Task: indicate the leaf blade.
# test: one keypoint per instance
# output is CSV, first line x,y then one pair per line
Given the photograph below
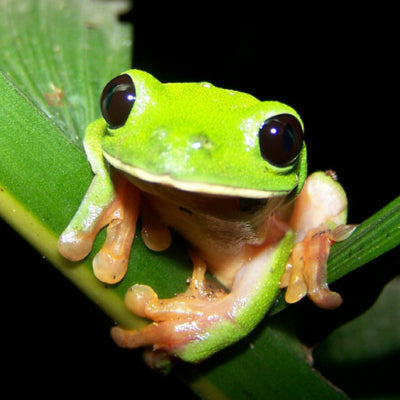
x,y
49,45
375,236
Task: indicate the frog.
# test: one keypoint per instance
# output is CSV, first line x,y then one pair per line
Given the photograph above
x,y
227,173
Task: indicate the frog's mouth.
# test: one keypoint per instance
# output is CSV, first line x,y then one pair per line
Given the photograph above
x,y
192,186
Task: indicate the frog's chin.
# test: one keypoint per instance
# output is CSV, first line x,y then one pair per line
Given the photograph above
x,y
192,186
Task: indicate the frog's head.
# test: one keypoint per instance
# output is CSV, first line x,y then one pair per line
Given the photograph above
x,y
203,139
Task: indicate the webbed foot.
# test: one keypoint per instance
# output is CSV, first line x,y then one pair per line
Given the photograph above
x,y
318,218
119,213
176,321
306,272
206,318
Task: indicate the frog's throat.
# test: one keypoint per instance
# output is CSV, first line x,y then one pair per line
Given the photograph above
x,y
188,186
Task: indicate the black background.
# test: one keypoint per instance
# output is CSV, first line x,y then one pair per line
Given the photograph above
x,y
334,64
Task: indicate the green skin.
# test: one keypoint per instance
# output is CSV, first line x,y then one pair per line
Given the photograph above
x,y
201,139
200,146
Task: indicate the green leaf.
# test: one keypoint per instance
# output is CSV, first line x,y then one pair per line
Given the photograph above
x,y
56,57
374,237
363,355
270,363
51,49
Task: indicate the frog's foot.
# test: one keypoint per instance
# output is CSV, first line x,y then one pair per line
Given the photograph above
x,y
318,218
205,319
306,271
121,214
176,321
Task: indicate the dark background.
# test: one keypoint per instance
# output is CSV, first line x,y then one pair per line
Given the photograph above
x,y
335,65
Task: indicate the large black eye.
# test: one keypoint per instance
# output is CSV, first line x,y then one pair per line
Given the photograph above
x,y
281,139
117,100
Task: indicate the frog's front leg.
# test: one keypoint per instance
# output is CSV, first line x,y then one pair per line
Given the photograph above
x,y
206,319
111,201
318,218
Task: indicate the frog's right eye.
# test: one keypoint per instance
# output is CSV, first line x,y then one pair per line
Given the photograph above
x,y
117,100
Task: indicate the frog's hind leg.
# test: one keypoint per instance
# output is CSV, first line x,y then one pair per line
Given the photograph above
x,y
176,320
205,319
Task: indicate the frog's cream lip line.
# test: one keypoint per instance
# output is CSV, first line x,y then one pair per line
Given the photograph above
x,y
197,187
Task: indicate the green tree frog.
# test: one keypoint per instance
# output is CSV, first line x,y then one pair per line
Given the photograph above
x,y
225,171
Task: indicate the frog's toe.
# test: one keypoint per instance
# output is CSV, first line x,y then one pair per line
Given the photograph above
x,y
167,335
293,277
143,301
155,234
126,338
325,298
140,297
295,291
109,268
317,245
74,245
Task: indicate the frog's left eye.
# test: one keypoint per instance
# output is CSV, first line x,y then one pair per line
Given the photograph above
x,y
281,139
117,100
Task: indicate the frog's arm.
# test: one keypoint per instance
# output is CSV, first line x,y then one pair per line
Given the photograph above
x,y
101,206
196,324
319,220
76,241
